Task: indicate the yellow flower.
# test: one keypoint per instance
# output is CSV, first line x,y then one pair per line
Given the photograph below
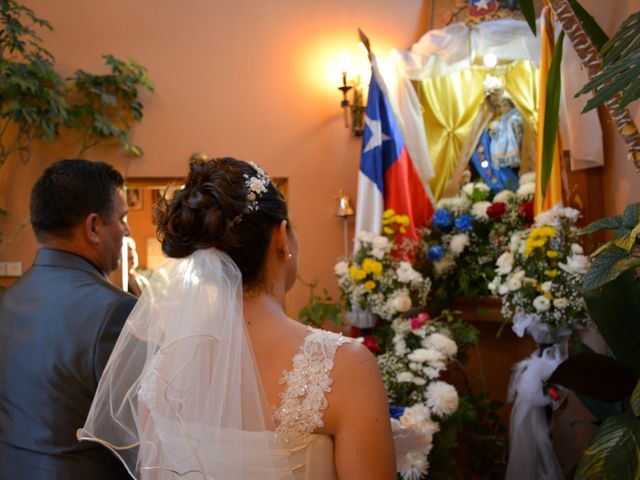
x,y
390,212
548,295
370,285
552,253
388,230
369,265
552,273
356,273
403,230
403,220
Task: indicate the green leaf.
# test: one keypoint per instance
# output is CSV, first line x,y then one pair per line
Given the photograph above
x,y
529,12
597,376
591,27
615,309
551,114
607,266
601,223
635,400
614,452
631,215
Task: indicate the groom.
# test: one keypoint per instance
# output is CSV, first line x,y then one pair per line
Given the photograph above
x,y
59,323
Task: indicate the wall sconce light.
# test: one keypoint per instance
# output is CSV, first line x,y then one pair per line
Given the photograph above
x,y
345,211
353,107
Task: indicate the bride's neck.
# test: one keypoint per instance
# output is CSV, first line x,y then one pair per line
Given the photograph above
x,y
263,307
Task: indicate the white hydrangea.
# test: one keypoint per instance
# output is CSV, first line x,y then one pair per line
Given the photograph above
x,y
442,398
341,268
442,343
504,196
504,263
575,264
526,190
365,237
547,217
458,243
407,274
422,355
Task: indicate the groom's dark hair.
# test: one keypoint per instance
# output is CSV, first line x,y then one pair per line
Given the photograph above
x,y
67,192
212,210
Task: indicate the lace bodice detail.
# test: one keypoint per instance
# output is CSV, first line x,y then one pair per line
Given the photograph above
x,y
303,399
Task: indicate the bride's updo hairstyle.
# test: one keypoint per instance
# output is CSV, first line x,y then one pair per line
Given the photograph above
x,y
217,208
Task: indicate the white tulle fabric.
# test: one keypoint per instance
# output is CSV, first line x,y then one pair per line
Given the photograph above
x,y
181,396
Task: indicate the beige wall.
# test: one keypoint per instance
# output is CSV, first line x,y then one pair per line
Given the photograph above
x,y
252,79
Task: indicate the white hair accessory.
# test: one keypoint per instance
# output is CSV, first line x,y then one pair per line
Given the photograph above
x,y
256,186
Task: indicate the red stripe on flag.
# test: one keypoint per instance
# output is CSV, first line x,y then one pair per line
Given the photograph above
x,y
403,192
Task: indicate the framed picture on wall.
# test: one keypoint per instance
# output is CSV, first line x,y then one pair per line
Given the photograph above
x,y
134,198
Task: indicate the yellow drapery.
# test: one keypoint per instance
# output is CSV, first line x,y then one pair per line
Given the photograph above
x,y
554,186
451,103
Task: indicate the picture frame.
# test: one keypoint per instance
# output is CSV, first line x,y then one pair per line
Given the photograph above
x,y
134,198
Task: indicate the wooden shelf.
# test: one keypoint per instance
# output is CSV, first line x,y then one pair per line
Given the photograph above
x,y
485,309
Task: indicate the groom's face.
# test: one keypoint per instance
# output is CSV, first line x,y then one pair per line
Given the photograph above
x,y
114,228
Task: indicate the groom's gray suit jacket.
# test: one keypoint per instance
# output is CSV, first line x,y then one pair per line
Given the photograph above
x,y
58,325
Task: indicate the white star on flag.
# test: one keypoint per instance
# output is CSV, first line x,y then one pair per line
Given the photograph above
x,y
482,5
377,137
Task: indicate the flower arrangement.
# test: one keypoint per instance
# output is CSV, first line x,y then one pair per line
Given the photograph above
x,y
538,277
468,233
411,368
378,278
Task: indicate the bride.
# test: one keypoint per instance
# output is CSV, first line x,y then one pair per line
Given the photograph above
x,y
210,379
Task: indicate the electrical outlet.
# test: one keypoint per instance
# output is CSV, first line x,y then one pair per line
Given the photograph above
x,y
13,269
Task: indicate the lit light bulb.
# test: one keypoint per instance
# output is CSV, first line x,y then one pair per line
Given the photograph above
x,y
490,60
344,62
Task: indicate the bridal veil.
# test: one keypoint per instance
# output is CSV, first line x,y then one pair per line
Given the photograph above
x,y
181,395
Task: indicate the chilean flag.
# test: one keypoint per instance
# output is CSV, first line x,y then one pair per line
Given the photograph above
x,y
388,177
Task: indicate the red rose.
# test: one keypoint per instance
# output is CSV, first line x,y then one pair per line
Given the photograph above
x,y
370,341
526,210
497,210
553,393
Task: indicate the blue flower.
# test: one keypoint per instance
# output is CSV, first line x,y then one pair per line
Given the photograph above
x,y
395,412
442,218
464,223
435,253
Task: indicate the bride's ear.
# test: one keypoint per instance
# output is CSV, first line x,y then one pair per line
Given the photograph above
x,y
282,240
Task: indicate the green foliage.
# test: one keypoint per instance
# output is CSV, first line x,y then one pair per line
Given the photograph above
x,y
615,309
529,12
104,106
319,309
618,256
18,40
621,73
592,29
551,114
614,453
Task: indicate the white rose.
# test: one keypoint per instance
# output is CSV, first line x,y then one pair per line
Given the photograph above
x,y
519,275
400,303
483,187
504,196
422,355
541,303
467,188
419,381
576,248
570,213
514,284
404,377
442,343
479,210
407,274
575,264
504,263
529,177
526,190
341,268
365,237
547,286
561,303
380,243
546,218
458,243
503,289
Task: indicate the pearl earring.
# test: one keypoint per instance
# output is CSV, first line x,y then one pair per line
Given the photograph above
x,y
289,256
